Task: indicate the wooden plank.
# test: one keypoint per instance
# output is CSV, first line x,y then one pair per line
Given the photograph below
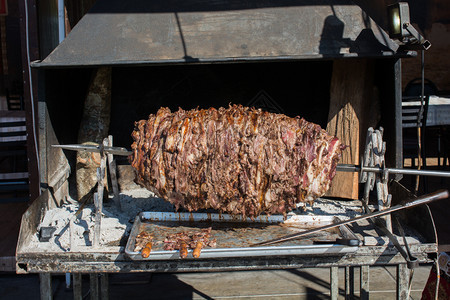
x,y
351,87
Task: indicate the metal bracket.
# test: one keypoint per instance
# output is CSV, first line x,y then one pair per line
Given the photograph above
x,y
411,261
374,157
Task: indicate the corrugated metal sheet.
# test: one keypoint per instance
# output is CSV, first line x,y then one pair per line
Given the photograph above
x,y
196,31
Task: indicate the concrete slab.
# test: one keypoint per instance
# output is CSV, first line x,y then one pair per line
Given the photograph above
x,y
248,285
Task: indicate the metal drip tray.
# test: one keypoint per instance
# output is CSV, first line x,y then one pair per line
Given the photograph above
x,y
234,235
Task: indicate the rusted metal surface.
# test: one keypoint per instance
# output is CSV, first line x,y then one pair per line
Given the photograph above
x,y
119,262
101,260
233,237
195,31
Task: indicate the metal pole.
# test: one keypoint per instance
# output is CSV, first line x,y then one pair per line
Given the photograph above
x,y
355,168
442,194
46,286
419,120
93,280
402,281
334,286
364,294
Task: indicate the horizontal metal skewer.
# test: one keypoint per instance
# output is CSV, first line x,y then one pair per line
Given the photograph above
x,y
93,148
355,168
340,167
438,195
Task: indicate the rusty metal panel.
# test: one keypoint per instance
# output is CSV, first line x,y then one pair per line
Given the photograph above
x,y
196,31
111,263
234,235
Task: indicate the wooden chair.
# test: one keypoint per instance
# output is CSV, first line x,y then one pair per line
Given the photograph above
x,y
15,102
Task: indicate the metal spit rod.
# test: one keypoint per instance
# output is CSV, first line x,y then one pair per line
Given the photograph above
x,y
93,148
355,168
425,199
340,167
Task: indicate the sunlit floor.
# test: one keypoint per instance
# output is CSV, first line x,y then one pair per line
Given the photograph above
x,y
276,284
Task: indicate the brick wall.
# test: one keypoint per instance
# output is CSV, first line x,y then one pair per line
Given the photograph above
x,y
435,26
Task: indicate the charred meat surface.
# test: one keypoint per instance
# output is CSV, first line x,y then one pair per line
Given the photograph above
x,y
237,160
142,239
190,239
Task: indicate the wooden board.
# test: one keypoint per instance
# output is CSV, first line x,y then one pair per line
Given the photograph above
x,y
351,89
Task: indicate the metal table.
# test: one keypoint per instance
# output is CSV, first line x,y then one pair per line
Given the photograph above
x,y
101,261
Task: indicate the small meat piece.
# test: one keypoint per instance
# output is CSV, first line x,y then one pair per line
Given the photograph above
x,y
141,240
191,239
238,160
146,251
183,250
197,250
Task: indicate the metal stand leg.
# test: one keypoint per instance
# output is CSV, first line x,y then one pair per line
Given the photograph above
x,y
349,283
364,282
402,281
77,287
93,282
68,281
99,286
334,279
46,286
104,286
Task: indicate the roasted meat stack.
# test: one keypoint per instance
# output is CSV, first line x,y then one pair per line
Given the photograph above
x,y
237,160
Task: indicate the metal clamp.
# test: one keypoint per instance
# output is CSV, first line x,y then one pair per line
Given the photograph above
x,y
374,157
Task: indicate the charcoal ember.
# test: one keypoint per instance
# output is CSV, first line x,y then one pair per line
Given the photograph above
x,y
237,160
191,238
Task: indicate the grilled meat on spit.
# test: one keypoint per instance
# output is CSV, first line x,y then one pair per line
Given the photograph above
x,y
238,160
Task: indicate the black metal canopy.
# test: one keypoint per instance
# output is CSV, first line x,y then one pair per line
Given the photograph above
x,y
139,32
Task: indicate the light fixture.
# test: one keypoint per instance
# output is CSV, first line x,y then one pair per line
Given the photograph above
x,y
401,29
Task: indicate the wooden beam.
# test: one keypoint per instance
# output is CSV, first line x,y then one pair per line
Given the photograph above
x,y
350,91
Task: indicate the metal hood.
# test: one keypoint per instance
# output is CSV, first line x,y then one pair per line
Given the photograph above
x,y
143,32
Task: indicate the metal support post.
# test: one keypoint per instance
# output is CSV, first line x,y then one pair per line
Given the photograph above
x,y
46,286
112,173
104,286
77,286
402,281
349,283
93,284
364,294
334,283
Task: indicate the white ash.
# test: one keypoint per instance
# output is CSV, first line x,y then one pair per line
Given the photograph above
x,y
342,209
116,224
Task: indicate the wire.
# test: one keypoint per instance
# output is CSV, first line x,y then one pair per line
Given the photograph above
x,y
33,124
438,279
420,120
436,262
